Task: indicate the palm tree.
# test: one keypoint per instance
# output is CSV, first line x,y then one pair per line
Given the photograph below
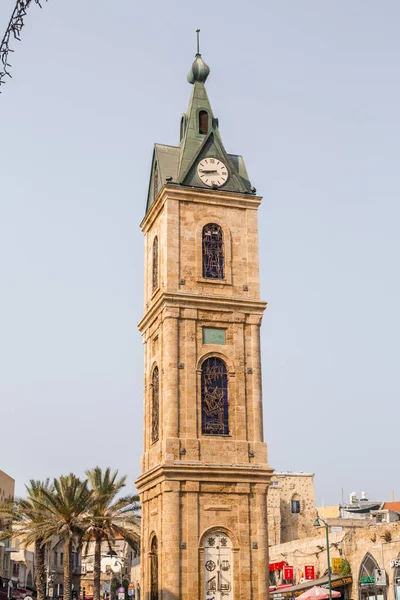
x,y
109,516
24,520
62,511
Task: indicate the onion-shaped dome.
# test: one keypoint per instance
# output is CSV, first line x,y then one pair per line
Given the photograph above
x,y
199,71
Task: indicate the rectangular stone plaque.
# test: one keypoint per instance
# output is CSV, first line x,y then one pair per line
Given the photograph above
x,y
213,335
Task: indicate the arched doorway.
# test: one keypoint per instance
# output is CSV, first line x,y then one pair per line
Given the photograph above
x,y
154,569
368,586
218,576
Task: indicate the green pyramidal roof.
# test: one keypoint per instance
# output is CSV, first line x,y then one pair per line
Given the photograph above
x,y
177,164
192,140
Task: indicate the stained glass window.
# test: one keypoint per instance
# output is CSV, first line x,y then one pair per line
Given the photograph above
x,y
155,263
214,397
154,569
213,252
155,405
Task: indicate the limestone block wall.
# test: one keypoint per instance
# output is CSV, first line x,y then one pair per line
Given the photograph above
x,y
183,513
283,524
177,219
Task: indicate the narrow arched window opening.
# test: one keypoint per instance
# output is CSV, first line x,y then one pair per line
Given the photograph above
x,y
295,505
213,251
182,132
154,569
203,122
214,397
155,181
155,263
155,406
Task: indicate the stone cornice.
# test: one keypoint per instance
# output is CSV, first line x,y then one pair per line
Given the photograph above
x,y
187,300
172,191
259,474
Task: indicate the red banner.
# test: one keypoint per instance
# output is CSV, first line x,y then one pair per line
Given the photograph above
x,y
309,572
288,573
277,566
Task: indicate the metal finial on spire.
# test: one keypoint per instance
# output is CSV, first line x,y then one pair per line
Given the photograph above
x,y
198,40
199,71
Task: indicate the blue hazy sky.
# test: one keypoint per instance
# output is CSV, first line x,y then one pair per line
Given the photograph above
x,y
309,93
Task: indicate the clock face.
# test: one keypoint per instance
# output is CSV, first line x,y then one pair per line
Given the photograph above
x,y
212,172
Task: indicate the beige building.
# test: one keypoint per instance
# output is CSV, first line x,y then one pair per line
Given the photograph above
x,y
366,555
116,567
55,568
7,486
291,507
204,471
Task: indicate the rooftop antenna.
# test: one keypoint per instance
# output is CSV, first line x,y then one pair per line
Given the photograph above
x,y
198,40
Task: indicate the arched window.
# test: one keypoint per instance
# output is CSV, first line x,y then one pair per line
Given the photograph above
x,y
213,252
155,406
367,569
203,122
214,397
295,504
183,123
371,586
155,181
155,263
154,569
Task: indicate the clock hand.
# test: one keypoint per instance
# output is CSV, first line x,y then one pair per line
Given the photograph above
x,y
206,171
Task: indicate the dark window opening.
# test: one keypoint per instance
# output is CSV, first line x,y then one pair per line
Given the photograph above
x,y
182,133
154,569
295,507
203,122
155,181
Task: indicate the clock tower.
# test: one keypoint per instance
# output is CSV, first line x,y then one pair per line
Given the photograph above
x,y
204,471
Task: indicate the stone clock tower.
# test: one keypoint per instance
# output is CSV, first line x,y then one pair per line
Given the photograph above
x,y
204,470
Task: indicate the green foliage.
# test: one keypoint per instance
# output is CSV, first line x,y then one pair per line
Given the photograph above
x,y
346,569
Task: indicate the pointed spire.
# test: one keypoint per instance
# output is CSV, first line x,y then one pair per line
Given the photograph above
x,y
199,70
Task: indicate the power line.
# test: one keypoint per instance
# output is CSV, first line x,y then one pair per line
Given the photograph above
x,y
13,31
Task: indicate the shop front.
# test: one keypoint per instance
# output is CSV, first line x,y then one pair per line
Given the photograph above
x,y
372,580
395,564
338,582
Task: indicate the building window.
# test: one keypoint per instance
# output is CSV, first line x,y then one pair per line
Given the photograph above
x,y
155,263
214,397
370,586
183,123
203,122
55,559
155,406
61,559
213,252
155,181
154,569
295,507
